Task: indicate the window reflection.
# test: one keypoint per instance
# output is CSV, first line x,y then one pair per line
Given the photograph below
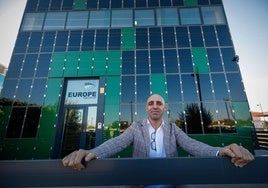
x,y
77,20
15,122
174,88
213,15
48,41
99,18
55,20
143,88
189,88
190,16
144,18
214,60
127,89
220,87
32,21
167,16
237,90
122,18
15,66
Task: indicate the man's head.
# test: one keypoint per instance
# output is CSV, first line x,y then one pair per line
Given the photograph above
x,y
155,107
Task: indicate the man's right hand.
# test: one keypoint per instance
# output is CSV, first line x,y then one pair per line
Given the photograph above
x,y
74,159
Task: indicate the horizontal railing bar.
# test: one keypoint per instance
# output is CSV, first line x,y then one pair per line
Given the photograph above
x,y
129,171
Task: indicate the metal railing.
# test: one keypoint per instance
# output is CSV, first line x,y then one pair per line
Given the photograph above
x,y
126,171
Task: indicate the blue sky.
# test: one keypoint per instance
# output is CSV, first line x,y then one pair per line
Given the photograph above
x,y
248,21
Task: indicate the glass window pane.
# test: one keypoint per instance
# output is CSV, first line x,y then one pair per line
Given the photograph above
x,y
104,3
21,43
141,3
237,89
101,39
141,38
115,39
32,21
38,92
128,38
171,61
77,19
155,38
99,18
128,62
122,18
88,40
227,56
159,85
31,122
167,16
23,92
214,60
128,4
143,88
55,4
174,88
153,3
128,89
15,123
213,15
92,3
48,41
190,16
142,62
196,36
74,40
29,65
9,88
185,57
43,65
157,65
15,66
61,41
43,5
116,4
219,85
182,37
204,87
189,88
144,18
67,4
168,37
210,36
224,35
200,60
35,42
55,20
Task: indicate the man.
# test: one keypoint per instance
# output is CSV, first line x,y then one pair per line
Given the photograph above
x,y
153,137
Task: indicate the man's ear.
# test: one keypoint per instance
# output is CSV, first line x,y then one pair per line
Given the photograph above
x,y
166,106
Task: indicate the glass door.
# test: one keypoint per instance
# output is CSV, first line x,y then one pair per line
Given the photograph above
x,y
73,126
80,128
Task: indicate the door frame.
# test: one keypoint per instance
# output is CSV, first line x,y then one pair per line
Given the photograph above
x,y
59,132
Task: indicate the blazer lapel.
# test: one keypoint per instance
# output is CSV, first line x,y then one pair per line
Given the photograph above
x,y
146,137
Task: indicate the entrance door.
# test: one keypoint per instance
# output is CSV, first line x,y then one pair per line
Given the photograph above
x,y
80,128
80,119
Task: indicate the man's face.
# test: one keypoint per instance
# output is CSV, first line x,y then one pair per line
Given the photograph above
x,y
155,107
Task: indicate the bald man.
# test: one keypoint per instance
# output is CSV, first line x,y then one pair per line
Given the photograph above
x,y
154,137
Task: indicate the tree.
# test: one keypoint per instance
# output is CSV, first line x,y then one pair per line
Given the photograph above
x,y
193,118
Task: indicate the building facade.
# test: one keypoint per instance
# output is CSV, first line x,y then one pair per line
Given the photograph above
x,y
81,71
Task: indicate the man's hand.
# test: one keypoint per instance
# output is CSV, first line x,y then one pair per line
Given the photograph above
x,y
238,154
75,158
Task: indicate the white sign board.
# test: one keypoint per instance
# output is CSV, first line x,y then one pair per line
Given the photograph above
x,y
82,92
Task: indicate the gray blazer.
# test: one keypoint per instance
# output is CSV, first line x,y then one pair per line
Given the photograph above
x,y
138,136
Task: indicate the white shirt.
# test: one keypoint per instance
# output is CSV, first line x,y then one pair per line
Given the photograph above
x,y
159,141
